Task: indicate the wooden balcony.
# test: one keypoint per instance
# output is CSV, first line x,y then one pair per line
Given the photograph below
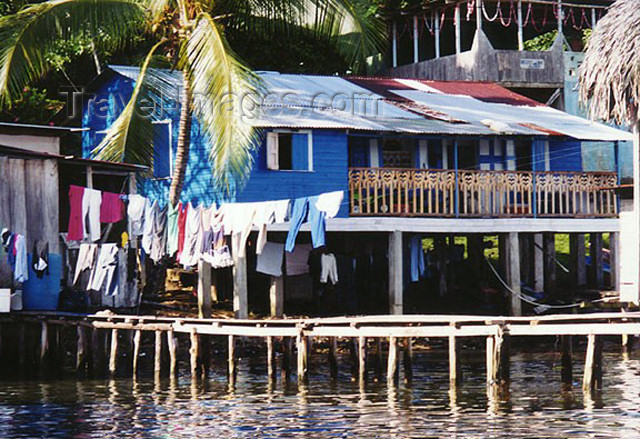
x,y
463,193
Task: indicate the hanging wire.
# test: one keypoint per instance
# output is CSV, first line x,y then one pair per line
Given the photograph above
x,y
531,300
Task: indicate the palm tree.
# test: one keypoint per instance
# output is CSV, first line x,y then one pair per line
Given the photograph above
x,y
190,33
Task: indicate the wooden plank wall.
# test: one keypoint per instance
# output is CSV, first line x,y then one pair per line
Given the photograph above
x,y
28,204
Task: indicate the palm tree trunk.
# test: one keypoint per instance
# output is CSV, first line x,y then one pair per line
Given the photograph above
x,y
184,140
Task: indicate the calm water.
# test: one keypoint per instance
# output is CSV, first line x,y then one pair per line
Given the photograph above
x,y
178,408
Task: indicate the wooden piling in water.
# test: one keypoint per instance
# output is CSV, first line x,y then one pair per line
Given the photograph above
x,y
501,359
113,355
301,347
96,352
454,367
193,353
392,363
333,357
81,350
157,357
286,359
271,360
232,359
566,361
408,360
592,379
137,336
172,344
490,343
362,359
44,342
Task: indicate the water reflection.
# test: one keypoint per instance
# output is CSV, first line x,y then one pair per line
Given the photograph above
x,y
255,406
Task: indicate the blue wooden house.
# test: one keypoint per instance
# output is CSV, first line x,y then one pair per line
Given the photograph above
x,y
415,158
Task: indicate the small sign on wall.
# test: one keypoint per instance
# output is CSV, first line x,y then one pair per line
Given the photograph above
x,y
532,64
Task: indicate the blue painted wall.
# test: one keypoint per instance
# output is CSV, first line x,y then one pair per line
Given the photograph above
x,y
330,157
596,156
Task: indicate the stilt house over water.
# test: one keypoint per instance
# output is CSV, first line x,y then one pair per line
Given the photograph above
x,y
429,171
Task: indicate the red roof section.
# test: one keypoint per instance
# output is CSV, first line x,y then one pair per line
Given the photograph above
x,y
482,91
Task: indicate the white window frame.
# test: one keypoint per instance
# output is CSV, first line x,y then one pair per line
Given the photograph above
x,y
277,132
170,123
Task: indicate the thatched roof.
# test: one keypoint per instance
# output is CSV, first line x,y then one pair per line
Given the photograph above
x,y
610,73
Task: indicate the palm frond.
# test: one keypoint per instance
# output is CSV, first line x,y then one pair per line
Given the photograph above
x,y
219,83
130,137
30,34
353,27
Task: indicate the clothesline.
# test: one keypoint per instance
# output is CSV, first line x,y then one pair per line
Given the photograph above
x,y
193,233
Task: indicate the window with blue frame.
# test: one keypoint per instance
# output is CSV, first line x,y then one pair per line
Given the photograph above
x,y
162,149
289,151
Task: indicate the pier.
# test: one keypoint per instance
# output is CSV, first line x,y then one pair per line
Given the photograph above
x,y
112,343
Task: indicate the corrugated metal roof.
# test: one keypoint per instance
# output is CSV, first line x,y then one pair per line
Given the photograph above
x,y
402,106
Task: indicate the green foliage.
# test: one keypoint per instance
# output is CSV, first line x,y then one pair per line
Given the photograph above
x,y
33,107
586,34
541,42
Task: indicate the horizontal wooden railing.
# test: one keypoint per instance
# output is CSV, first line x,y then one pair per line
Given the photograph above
x,y
465,193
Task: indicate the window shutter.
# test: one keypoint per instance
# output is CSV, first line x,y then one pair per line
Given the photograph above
x,y
272,151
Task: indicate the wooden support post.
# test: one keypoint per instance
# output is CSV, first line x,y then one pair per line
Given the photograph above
x,y
513,273
362,360
408,360
550,270
454,367
81,351
271,360
595,251
392,364
578,259
394,44
240,293
172,344
490,352
157,363
442,255
520,32
395,273
416,38
113,354
276,296
538,262
566,372
501,360
614,260
592,379
436,23
44,342
476,255
137,335
232,359
286,359
204,290
194,353
301,345
593,18
456,19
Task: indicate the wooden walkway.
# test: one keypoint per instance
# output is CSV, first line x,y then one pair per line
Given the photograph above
x,y
395,331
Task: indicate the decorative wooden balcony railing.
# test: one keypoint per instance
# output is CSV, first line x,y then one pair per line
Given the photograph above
x,y
463,193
